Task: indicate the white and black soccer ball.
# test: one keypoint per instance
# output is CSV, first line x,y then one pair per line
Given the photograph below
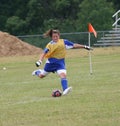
x,y
56,93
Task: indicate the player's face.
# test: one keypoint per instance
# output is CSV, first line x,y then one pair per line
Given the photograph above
x,y
55,37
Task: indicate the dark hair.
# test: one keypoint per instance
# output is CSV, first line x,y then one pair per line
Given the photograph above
x,y
50,32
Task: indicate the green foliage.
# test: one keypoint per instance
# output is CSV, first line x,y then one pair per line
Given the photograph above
x,y
97,12
3,19
63,25
116,4
37,16
62,4
51,23
15,25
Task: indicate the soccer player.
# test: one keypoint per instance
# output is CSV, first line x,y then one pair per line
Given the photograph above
x,y
55,52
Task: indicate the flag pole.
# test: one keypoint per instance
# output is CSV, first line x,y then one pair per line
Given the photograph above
x,y
90,58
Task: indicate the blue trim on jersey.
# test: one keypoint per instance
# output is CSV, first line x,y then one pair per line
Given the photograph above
x,y
68,43
46,50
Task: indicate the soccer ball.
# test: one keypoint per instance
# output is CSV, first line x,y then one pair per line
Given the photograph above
x,y
56,93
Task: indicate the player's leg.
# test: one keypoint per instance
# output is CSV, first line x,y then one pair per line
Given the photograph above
x,y
49,67
40,73
64,81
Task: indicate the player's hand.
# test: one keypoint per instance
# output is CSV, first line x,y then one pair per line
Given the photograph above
x,y
88,48
38,63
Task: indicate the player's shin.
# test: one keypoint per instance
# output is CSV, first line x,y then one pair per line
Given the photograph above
x,y
64,83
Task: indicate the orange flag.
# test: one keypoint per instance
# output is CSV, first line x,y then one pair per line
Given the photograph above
x,y
91,29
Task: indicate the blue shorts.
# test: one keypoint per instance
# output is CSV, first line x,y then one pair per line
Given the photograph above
x,y
55,66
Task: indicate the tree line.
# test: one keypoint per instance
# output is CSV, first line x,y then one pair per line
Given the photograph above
x,y
20,17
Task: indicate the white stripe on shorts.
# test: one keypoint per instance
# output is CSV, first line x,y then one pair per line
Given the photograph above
x,y
61,71
43,72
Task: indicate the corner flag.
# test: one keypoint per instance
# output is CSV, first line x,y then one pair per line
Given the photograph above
x,y
91,29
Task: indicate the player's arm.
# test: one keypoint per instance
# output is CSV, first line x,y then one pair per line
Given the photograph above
x,y
42,56
78,46
81,46
70,45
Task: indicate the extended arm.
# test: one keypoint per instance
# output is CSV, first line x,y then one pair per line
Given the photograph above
x,y
71,45
75,46
78,46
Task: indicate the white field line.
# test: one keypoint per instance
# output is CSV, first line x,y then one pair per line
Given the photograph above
x,y
34,100
15,82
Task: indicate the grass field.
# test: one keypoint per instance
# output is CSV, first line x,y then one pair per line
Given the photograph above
x,y
94,101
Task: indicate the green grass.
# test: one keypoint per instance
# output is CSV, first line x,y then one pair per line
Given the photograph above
x,y
94,101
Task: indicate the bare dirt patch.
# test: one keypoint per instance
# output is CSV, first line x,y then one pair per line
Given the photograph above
x,y
12,46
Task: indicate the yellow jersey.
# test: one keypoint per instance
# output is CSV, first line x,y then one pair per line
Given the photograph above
x,y
56,49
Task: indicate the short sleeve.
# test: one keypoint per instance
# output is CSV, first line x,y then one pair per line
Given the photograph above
x,y
68,44
46,50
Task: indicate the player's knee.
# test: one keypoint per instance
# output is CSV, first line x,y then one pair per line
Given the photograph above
x,y
62,75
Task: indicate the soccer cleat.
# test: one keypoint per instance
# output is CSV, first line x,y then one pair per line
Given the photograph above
x,y
36,72
67,90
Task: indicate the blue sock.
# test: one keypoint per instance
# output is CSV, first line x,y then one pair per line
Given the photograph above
x,y
64,83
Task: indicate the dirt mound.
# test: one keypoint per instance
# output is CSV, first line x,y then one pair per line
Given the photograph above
x,y
12,46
